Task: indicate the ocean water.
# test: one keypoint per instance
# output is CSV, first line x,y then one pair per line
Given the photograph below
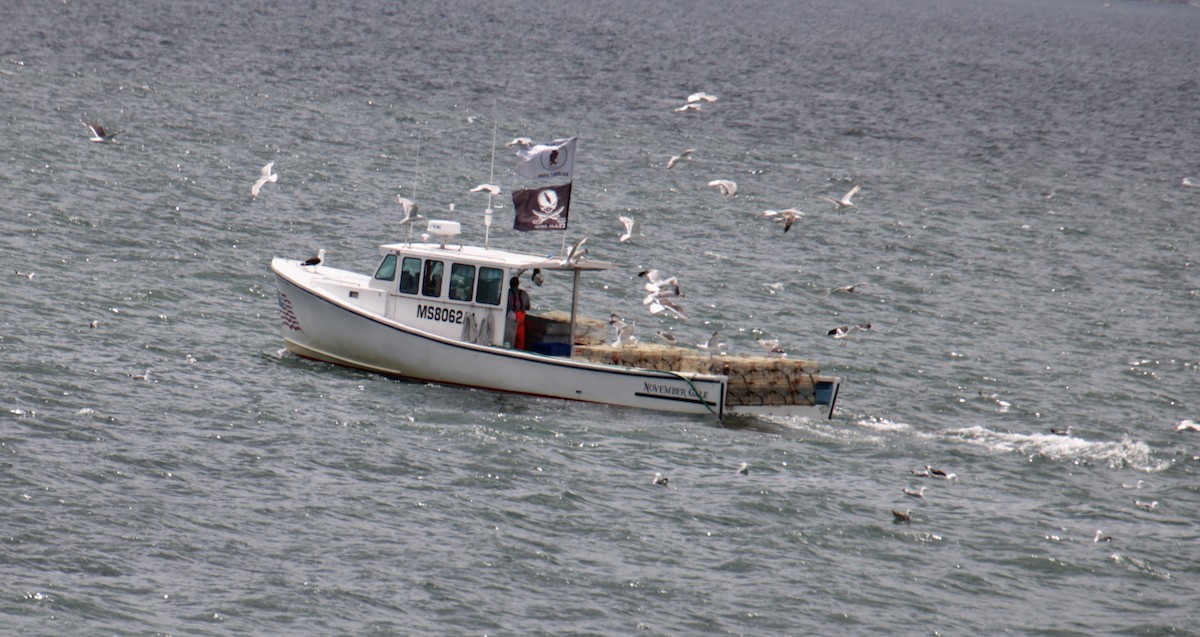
x,y
1025,234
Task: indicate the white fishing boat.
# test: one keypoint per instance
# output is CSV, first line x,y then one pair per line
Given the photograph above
x,y
435,311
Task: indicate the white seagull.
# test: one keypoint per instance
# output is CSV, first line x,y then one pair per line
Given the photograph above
x,y
660,479
743,469
99,135
27,275
688,108
142,377
520,141
491,189
938,473
701,97
410,210
1149,506
317,260
727,186
633,228
1182,425
771,346
1100,537
267,175
712,344
788,216
918,493
576,253
844,202
675,159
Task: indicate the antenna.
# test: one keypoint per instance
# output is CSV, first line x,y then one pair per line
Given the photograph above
x,y
487,213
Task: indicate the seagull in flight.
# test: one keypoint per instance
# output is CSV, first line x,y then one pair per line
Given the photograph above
x,y
633,228
490,189
844,202
846,289
675,159
410,210
712,344
842,331
788,216
575,253
520,141
317,260
727,186
701,97
99,135
624,331
771,346
267,175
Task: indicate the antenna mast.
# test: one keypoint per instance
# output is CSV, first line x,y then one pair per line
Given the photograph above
x,y
487,214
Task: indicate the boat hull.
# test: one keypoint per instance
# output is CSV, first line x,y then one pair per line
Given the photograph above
x,y
319,325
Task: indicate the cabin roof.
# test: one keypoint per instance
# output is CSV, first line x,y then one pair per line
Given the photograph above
x,y
492,256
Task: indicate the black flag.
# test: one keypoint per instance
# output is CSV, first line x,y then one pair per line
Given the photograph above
x,y
542,208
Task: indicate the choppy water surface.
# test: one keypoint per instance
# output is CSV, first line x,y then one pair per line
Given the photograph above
x,y
1025,234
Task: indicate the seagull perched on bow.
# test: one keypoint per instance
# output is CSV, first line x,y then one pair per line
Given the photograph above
x,y
633,228
675,159
99,135
844,202
727,186
788,216
491,189
624,330
267,175
701,97
317,260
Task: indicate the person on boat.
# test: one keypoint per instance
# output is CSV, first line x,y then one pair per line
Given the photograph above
x,y
518,304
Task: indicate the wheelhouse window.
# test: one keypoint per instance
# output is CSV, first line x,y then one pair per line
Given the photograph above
x,y
462,281
431,284
387,269
410,275
491,281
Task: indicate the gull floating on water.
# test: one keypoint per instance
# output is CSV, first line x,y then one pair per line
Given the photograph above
x,y
788,216
675,159
1100,537
1191,182
267,175
701,96
94,324
1149,506
27,275
743,469
491,189
99,135
633,228
727,186
918,493
1061,432
920,473
317,259
688,108
660,479
844,202
142,377
902,516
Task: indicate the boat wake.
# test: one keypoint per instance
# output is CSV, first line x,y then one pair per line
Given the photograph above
x,y
1118,454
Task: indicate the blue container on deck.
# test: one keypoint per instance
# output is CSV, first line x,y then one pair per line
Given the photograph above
x,y
551,349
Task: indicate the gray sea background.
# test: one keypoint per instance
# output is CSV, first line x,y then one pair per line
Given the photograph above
x,y
1026,233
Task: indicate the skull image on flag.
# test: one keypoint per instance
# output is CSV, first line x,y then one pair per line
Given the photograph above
x,y
553,160
542,208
